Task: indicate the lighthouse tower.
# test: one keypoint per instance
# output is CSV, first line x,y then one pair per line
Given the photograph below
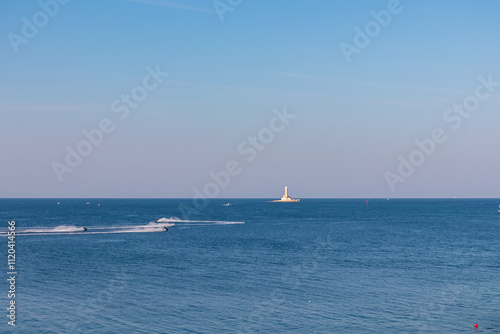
x,y
286,198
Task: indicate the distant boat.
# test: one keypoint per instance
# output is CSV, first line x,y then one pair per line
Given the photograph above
x,y
227,204
499,208
58,203
286,198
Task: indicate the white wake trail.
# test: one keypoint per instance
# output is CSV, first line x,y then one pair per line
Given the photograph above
x,y
158,226
205,222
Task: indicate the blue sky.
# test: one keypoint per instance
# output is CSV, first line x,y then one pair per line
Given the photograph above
x,y
353,120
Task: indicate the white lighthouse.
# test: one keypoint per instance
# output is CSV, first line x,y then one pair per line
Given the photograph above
x,y
286,198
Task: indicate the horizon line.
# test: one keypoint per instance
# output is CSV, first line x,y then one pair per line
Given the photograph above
x,y
264,198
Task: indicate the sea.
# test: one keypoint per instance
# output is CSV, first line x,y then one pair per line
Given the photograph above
x,y
317,266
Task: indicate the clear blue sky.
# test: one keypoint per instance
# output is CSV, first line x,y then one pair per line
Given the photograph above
x,y
353,120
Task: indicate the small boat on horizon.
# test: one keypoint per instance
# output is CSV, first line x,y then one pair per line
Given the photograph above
x,y
227,204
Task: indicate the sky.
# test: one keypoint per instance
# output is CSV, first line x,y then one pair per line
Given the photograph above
x,y
238,98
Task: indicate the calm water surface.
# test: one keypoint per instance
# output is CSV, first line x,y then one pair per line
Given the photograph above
x,y
318,266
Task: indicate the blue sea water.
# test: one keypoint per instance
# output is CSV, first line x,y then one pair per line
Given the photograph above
x,y
318,266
